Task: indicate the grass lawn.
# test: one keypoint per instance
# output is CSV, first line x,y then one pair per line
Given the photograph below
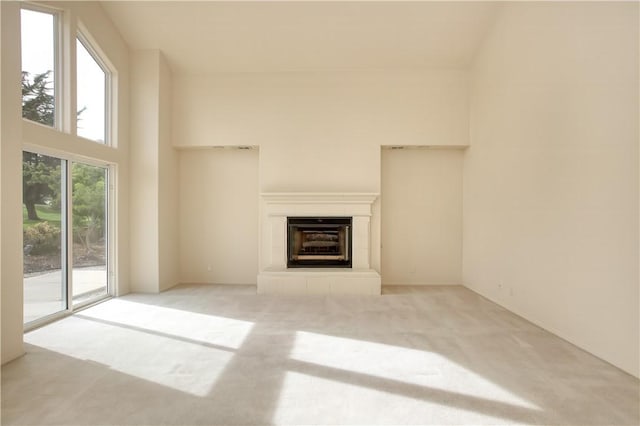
x,y
45,213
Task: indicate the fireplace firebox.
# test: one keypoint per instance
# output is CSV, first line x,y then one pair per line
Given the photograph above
x,y
319,242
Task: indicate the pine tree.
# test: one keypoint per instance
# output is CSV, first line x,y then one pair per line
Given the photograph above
x,y
38,102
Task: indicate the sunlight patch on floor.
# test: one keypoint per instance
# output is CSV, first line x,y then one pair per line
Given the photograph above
x,y
186,325
405,365
182,350
303,397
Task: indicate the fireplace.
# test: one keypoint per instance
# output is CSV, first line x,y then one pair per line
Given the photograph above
x,y
319,242
339,249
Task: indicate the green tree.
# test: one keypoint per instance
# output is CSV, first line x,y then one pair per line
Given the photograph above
x,y
40,173
40,181
88,203
38,102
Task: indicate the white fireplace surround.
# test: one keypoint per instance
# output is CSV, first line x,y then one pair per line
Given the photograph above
x,y
275,277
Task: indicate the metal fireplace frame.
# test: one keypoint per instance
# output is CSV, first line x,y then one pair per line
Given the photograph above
x,y
310,223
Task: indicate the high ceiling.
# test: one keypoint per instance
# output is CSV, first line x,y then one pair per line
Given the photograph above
x,y
205,37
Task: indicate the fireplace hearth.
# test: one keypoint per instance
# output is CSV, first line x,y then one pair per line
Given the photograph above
x,y
319,242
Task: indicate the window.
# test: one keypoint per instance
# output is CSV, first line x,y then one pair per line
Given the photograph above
x,y
39,42
42,99
92,90
90,220
65,224
66,198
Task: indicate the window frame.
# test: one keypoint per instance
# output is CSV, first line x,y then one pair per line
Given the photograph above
x,y
84,37
58,62
68,146
67,239
109,225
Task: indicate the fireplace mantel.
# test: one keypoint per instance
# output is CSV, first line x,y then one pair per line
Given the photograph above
x,y
319,197
275,277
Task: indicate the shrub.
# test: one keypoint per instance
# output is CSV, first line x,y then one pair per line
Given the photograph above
x,y
43,238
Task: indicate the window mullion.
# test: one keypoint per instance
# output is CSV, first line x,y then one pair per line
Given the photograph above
x,y
68,252
58,73
68,58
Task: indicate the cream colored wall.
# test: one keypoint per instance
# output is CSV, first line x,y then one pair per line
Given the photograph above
x,y
322,131
551,178
421,216
168,158
309,120
144,239
11,178
17,134
219,216
154,210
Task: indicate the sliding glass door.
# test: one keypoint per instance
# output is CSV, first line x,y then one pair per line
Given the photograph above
x,y
44,228
65,229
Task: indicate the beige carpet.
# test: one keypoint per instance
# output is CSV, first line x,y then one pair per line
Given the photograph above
x,y
224,355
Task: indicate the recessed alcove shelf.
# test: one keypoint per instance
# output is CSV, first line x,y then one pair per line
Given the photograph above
x,y
275,277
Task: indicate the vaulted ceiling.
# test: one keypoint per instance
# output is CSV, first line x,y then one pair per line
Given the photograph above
x,y
206,37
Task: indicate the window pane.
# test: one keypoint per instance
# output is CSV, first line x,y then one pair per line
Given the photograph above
x,y
43,231
92,84
89,232
38,38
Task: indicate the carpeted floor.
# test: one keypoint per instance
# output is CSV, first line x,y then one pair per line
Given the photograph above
x,y
204,354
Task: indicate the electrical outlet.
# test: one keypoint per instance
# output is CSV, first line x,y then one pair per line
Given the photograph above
x,y
209,268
